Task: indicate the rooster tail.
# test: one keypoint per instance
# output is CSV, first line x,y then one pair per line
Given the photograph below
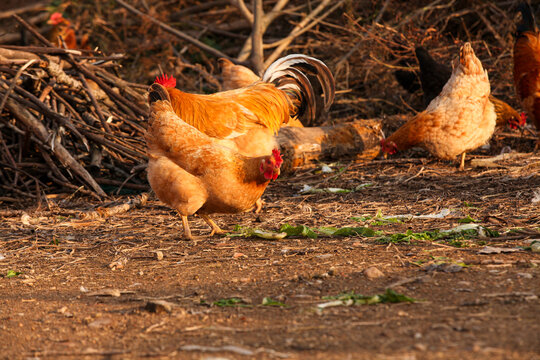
x,y
157,92
290,74
527,19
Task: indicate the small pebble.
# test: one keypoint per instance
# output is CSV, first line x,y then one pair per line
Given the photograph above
x,y
373,273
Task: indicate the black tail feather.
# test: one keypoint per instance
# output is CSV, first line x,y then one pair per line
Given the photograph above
x,y
292,74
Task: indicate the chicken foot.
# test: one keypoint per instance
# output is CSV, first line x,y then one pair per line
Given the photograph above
x,y
215,229
258,205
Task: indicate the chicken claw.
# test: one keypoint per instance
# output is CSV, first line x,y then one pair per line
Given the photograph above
x,y
215,229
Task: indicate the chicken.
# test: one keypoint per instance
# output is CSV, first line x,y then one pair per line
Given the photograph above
x,y
62,27
247,118
527,66
433,77
408,79
461,118
235,76
193,173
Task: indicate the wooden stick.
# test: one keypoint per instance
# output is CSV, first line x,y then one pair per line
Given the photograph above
x,y
309,145
178,33
14,82
121,101
241,5
33,31
33,7
43,50
95,103
267,20
59,150
53,114
257,54
103,212
298,28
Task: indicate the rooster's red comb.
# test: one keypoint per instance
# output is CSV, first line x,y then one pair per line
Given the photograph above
x,y
165,80
56,18
277,157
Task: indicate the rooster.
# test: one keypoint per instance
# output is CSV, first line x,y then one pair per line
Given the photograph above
x,y
62,27
527,65
238,76
193,173
460,119
247,118
434,75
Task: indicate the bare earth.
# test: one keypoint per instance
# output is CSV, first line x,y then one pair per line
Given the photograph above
x,y
86,287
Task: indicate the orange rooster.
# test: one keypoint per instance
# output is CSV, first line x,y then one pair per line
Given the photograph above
x,y
238,76
527,66
235,76
247,118
62,27
193,173
461,118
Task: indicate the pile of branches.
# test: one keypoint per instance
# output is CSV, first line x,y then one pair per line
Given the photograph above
x,y
67,122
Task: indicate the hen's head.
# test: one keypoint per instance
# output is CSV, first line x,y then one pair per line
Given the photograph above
x,y
56,18
388,147
165,80
270,165
468,61
517,123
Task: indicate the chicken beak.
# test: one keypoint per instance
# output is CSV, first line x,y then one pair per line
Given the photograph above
x,y
276,173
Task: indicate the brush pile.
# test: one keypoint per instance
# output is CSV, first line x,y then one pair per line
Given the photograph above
x,y
68,122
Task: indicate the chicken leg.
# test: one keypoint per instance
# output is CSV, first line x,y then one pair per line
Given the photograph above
x,y
212,224
187,230
462,162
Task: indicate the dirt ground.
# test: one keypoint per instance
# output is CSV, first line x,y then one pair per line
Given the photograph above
x,y
129,286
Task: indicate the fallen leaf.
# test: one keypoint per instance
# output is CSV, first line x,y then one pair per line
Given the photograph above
x,y
105,292
486,250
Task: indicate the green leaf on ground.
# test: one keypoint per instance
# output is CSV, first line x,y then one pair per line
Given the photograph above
x,y
245,231
351,298
452,236
347,231
12,273
230,302
300,230
467,220
303,230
